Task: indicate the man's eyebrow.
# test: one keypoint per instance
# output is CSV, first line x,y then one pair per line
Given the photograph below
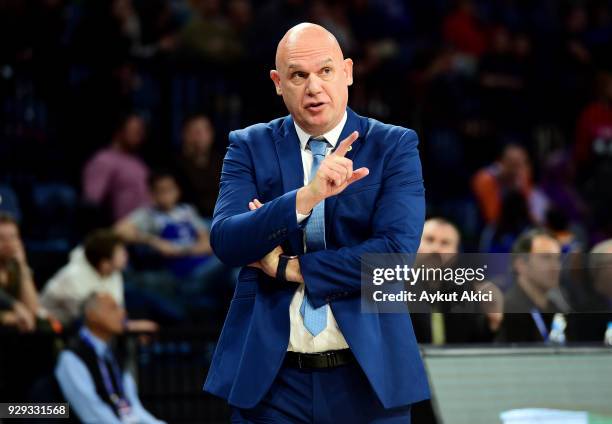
x,y
322,63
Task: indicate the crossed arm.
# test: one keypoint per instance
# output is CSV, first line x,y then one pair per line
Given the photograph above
x,y
233,229
333,176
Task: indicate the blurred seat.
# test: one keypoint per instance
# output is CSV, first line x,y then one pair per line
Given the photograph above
x,y
9,202
55,206
50,231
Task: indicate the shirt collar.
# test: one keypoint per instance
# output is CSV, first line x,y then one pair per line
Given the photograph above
x,y
99,345
331,136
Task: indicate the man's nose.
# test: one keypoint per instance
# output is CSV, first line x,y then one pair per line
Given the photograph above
x,y
313,86
437,249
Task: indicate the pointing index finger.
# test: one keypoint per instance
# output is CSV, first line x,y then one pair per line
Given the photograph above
x,y
345,145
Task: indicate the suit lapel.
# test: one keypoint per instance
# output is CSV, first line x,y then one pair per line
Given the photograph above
x,y
292,171
354,122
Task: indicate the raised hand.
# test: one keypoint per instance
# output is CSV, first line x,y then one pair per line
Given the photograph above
x,y
336,171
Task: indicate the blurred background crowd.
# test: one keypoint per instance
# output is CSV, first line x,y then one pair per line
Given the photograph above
x,y
113,124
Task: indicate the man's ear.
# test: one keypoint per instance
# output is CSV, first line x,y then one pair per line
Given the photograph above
x,y
275,77
520,263
348,71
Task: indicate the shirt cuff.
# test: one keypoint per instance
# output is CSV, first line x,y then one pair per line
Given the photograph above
x,y
301,217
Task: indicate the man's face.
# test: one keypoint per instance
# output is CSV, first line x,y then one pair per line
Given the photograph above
x,y
543,266
198,135
108,315
120,258
10,242
515,162
165,193
313,79
133,133
439,237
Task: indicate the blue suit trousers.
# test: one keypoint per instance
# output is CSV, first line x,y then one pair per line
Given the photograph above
x,y
322,396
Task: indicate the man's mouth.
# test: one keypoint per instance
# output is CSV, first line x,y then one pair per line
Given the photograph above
x,y
315,106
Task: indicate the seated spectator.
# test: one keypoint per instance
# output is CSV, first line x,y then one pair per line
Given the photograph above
x,y
14,313
94,267
590,324
534,298
512,172
92,379
199,164
173,229
442,237
19,306
116,178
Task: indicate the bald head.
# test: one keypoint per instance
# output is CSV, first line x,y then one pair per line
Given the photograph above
x,y
312,76
305,35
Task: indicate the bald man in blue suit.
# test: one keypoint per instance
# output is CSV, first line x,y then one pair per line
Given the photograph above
x,y
301,199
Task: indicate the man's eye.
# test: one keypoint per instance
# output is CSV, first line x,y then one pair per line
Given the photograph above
x,y
298,75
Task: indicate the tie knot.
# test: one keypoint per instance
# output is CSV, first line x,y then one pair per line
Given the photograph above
x,y
317,146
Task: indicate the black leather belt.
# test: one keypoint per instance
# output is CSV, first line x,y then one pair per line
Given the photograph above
x,y
329,359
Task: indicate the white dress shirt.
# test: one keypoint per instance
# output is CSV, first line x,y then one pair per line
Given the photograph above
x,y
68,289
300,339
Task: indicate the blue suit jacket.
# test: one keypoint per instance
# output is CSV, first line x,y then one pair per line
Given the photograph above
x,y
381,213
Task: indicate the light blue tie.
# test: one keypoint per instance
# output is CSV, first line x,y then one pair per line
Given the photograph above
x,y
315,320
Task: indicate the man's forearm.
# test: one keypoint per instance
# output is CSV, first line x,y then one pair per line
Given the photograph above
x,y
293,271
129,233
305,200
29,295
200,248
244,238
